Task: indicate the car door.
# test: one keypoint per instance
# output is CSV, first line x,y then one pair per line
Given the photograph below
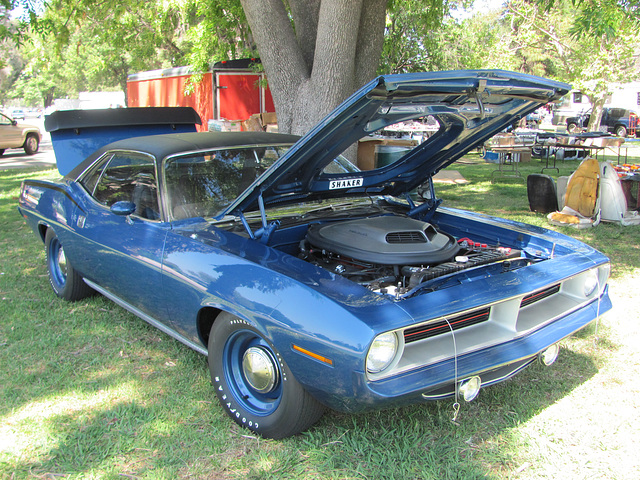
x,y
10,134
120,253
198,185
201,263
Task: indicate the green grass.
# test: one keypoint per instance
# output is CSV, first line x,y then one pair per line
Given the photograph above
x,y
89,391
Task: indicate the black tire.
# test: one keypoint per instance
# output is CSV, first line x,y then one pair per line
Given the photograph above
x,y
270,403
621,131
572,127
65,281
31,144
1,151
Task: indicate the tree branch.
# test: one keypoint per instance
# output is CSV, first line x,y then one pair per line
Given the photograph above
x,y
370,40
280,53
305,15
554,39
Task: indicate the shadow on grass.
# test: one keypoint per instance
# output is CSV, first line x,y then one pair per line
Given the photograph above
x,y
123,399
421,441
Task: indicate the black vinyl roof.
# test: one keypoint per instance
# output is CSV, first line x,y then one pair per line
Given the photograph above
x,y
162,146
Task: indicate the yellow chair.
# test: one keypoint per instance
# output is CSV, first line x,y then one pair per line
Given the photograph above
x,y
581,207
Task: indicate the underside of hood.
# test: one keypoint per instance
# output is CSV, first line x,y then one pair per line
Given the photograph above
x,y
467,107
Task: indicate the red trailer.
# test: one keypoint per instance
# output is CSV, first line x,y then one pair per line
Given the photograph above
x,y
231,90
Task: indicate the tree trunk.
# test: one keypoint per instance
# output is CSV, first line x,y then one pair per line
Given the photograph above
x,y
597,107
332,48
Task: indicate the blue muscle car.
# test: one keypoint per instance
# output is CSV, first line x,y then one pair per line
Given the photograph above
x,y
308,282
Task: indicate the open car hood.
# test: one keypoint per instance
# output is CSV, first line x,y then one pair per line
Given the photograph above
x,y
469,106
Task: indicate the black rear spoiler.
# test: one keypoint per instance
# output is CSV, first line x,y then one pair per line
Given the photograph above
x,y
76,134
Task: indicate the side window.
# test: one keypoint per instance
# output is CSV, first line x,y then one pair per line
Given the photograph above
x,y
90,179
129,177
617,112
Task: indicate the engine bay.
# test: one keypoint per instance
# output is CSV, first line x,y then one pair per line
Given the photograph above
x,y
399,256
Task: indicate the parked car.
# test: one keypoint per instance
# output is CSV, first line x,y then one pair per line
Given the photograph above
x,y
18,135
308,282
18,114
615,120
535,118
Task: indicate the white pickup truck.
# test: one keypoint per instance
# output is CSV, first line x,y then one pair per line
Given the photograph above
x,y
18,135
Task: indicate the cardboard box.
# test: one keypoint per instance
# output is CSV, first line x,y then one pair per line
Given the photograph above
x,y
252,124
223,125
269,118
367,149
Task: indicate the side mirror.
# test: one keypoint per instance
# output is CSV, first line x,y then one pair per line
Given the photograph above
x,y
123,208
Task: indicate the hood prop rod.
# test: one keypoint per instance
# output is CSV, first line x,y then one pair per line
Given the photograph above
x,y
482,85
427,210
264,232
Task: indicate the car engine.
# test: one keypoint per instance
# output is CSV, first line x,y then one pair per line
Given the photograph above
x,y
394,255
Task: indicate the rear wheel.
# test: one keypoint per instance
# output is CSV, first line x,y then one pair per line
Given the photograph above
x,y
254,384
621,131
65,281
31,144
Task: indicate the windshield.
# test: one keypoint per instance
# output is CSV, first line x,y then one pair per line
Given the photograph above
x,y
204,184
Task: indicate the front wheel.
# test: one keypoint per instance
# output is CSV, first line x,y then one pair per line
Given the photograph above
x,y
65,281
621,131
254,384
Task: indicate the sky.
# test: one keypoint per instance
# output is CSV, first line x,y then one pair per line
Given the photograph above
x,y
480,6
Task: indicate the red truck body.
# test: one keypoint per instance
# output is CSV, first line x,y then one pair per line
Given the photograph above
x,y
231,90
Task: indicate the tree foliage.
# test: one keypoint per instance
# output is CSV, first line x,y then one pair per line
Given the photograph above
x,y
410,39
315,52
598,18
594,43
220,33
74,46
10,29
551,40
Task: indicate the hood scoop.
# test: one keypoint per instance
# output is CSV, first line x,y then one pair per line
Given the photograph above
x,y
385,240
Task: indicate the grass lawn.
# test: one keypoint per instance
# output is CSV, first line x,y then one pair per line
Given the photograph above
x,y
89,391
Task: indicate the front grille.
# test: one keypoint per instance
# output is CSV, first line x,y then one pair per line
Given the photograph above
x,y
406,237
442,326
539,295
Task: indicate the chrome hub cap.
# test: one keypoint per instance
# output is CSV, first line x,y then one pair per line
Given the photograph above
x,y
62,262
260,370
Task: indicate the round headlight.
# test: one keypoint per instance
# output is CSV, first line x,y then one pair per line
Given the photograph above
x,y
382,352
590,282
